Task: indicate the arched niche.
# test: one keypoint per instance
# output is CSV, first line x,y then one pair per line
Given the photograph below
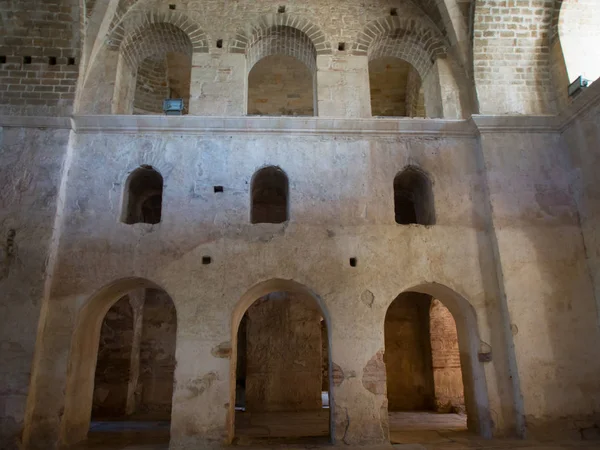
x,y
282,66
259,291
413,198
83,355
473,375
269,196
396,88
142,197
155,63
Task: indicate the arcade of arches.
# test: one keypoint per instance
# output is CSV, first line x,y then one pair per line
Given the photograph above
x,y
299,223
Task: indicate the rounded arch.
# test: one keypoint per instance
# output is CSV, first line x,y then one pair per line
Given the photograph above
x,y
474,382
269,195
415,41
155,39
254,31
256,292
282,40
83,354
130,26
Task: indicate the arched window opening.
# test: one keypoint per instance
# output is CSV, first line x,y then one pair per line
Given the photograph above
x,y
143,197
423,366
413,198
579,33
280,369
155,64
135,369
396,88
282,73
280,85
269,196
159,78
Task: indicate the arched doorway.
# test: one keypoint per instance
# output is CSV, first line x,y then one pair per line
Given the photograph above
x,y
121,365
281,369
435,381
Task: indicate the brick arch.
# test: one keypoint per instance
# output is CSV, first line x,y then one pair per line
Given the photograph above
x,y
153,40
255,31
411,40
133,25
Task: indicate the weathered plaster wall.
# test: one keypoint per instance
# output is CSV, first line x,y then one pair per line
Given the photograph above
x,y
284,361
30,172
445,356
530,180
114,358
407,356
333,217
280,86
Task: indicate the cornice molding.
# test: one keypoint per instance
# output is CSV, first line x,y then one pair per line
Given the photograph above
x,y
35,122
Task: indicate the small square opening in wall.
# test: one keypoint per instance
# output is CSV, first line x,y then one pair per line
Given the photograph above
x,y
218,189
71,61
52,60
206,260
172,6
219,43
394,12
281,9
353,262
26,59
2,59
342,46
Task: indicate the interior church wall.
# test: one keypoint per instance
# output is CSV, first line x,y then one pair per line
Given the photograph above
x,y
329,214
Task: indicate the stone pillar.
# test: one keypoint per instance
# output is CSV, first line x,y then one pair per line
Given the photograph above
x,y
343,86
136,300
99,87
284,354
445,356
218,85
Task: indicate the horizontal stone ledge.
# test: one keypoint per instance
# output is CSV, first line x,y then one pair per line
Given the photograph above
x,y
290,125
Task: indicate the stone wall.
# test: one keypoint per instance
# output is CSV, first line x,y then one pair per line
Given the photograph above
x,y
284,360
445,355
40,43
511,56
114,358
410,383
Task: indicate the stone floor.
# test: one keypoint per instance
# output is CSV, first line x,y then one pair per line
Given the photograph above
x,y
408,431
